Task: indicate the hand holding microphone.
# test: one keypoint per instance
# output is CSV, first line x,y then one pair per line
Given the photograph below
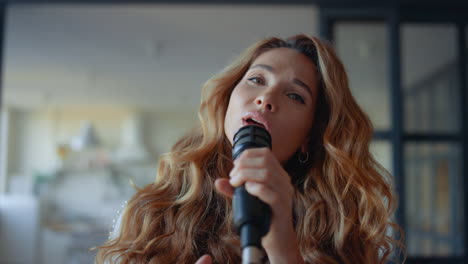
x,y
262,175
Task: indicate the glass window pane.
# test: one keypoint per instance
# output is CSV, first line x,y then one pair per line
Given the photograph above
x,y
434,202
3,148
363,49
429,78
382,151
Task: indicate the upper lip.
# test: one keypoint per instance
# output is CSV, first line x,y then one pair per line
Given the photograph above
x,y
259,117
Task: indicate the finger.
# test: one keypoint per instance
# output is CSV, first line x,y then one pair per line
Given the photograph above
x,y
205,259
223,187
246,163
239,177
253,152
263,193
251,162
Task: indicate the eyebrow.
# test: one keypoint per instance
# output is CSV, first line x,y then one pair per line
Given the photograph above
x,y
296,81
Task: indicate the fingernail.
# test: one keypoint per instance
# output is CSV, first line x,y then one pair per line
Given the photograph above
x,y
232,181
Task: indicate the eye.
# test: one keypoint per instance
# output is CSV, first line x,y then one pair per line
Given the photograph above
x,y
296,97
256,80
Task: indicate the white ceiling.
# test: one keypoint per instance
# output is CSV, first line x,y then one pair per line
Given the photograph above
x,y
146,56
159,56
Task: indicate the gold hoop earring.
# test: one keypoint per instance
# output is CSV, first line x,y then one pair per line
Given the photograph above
x,y
305,159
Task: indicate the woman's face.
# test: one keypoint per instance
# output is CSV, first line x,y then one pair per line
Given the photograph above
x,y
279,92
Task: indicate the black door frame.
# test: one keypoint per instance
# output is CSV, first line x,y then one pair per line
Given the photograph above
x,y
393,17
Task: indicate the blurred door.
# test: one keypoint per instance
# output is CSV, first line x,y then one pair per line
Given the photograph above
x,y
432,151
409,75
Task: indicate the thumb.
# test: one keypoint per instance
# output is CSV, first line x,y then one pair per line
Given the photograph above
x,y
224,187
205,259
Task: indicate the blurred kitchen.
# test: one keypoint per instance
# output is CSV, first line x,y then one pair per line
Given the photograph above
x,y
92,94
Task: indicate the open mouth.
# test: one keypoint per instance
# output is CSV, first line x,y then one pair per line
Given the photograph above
x,y
251,121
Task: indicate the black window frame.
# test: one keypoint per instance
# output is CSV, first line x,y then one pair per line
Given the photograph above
x,y
394,17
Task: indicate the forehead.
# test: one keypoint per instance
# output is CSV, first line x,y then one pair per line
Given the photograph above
x,y
290,62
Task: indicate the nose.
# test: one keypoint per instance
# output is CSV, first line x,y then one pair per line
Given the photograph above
x,y
266,101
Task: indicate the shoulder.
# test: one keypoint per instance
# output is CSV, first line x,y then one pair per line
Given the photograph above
x,y
117,222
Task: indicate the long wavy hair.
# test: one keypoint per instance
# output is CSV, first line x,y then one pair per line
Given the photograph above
x,y
343,201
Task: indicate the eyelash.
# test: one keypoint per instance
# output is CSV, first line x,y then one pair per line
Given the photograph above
x,y
258,78
293,96
297,97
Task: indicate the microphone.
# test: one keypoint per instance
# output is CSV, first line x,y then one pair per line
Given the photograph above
x,y
251,215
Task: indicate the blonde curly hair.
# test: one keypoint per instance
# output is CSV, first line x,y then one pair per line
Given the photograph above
x,y
343,201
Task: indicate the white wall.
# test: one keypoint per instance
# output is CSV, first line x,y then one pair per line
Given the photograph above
x,y
31,148
35,134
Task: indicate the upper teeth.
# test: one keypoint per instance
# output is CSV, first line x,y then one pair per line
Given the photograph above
x,y
256,120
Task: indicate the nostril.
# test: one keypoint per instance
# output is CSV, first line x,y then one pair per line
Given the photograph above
x,y
269,106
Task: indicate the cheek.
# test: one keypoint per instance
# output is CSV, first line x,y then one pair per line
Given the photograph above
x,y
293,137
305,126
237,102
230,117
227,122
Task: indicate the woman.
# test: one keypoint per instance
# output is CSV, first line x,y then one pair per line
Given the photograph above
x,y
331,201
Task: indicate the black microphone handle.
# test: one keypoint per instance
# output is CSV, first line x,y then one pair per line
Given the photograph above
x,y
251,215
